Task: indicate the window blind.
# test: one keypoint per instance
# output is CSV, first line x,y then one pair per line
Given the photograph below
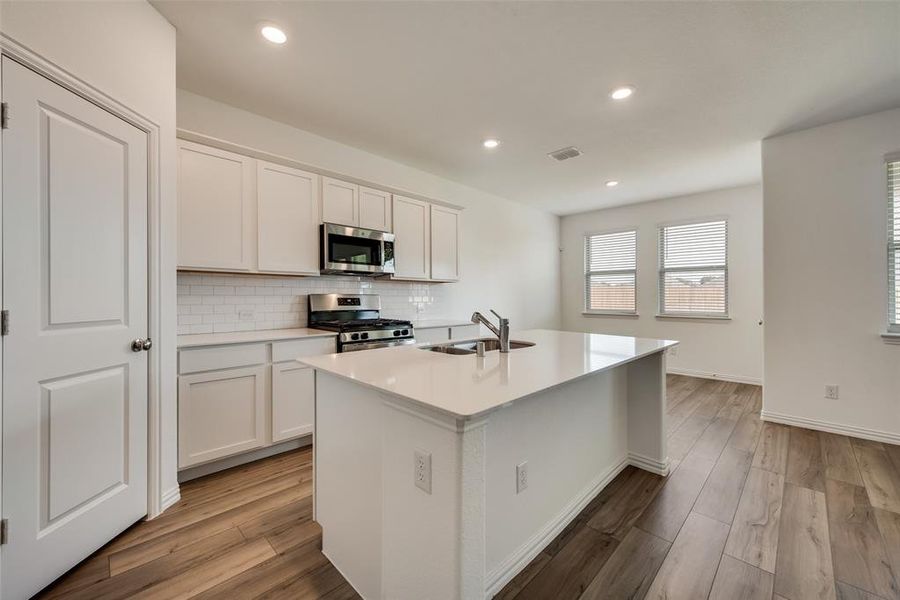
x,y
893,173
693,269
610,272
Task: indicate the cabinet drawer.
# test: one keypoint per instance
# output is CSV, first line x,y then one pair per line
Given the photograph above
x,y
221,357
291,349
464,332
432,335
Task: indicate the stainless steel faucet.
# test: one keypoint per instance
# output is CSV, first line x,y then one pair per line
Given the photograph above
x,y
502,332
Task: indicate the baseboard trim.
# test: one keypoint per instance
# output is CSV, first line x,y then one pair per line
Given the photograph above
x,y
716,376
237,460
169,498
829,427
648,464
518,560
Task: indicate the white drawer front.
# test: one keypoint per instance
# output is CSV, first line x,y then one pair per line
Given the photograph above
x,y
194,360
292,349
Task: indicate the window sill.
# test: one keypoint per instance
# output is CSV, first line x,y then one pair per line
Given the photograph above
x,y
694,317
588,313
890,337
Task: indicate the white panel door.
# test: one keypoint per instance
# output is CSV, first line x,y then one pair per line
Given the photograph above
x,y
444,243
412,248
216,209
374,209
293,400
220,413
288,219
340,202
75,283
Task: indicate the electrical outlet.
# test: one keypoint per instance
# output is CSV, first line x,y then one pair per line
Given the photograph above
x,y
831,392
521,477
245,315
673,351
422,470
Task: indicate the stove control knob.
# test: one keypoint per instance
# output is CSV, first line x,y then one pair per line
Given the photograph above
x,y
364,336
354,336
405,332
396,332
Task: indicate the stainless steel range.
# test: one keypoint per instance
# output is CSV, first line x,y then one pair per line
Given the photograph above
x,y
357,319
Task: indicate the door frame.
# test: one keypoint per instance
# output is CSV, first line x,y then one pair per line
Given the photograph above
x,y
24,56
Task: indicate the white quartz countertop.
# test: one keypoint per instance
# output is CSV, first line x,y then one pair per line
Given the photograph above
x,y
247,337
466,386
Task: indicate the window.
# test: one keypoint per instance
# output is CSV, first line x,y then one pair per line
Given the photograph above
x,y
609,272
693,269
893,173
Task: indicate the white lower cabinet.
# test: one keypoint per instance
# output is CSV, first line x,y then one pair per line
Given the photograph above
x,y
293,400
221,413
235,398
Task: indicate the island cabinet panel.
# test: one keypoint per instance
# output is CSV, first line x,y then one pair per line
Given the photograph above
x,y
374,209
288,218
293,400
216,209
412,251
340,202
221,413
444,243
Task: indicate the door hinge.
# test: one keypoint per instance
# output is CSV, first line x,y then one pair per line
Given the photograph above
x,y
4,115
4,531
4,322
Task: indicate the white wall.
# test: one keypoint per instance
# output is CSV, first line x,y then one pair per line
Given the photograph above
x,y
127,51
727,349
509,258
825,205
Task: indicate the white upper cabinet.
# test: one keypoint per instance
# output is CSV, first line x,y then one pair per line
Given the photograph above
x,y
288,217
340,202
216,209
412,247
444,243
374,209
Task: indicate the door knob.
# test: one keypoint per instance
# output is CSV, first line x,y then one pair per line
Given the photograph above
x,y
141,344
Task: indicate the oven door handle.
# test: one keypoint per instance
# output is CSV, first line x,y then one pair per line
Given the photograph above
x,y
354,346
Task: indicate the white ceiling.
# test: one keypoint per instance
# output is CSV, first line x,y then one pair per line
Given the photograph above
x,y
424,83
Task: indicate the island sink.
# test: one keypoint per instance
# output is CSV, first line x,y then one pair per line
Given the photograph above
x,y
470,346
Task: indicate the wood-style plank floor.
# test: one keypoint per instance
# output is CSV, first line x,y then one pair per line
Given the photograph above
x,y
243,533
751,510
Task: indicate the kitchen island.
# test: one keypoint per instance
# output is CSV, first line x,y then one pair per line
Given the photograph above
x,y
441,475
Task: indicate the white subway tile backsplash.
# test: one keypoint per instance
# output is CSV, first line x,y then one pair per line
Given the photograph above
x,y
214,303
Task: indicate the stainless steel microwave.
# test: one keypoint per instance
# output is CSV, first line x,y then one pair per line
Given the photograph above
x,y
355,251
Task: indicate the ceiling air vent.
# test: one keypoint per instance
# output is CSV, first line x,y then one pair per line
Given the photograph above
x,y
565,153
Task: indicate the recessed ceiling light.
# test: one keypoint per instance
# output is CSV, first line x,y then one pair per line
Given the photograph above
x,y
491,143
612,183
620,93
273,34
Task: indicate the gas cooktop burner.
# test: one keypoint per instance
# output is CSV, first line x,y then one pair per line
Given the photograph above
x,y
358,322
361,324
